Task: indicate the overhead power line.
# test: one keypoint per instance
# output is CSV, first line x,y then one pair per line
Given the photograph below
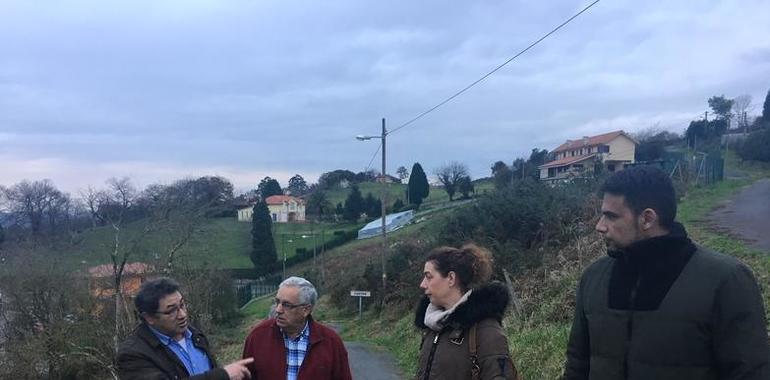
x,y
373,157
468,87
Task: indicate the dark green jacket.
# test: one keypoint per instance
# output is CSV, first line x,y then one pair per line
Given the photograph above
x,y
666,309
143,357
445,354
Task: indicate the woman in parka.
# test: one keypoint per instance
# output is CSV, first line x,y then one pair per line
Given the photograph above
x,y
461,318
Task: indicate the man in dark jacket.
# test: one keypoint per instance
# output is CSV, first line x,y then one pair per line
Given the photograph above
x,y
292,345
165,346
658,306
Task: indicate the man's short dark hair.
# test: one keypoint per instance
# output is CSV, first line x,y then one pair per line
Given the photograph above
x,y
645,187
148,298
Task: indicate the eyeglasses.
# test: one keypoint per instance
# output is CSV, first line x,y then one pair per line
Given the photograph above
x,y
286,305
174,312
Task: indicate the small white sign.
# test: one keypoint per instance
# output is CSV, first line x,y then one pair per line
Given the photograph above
x,y
360,293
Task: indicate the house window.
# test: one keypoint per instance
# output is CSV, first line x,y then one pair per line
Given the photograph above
x,y
551,172
578,166
603,148
275,217
611,167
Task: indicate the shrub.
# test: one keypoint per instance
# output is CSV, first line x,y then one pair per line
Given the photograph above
x,y
755,148
516,221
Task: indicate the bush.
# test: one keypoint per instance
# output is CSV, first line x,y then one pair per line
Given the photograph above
x,y
405,266
755,147
516,221
53,329
398,206
210,293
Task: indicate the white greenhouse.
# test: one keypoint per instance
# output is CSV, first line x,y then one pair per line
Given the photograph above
x,y
392,223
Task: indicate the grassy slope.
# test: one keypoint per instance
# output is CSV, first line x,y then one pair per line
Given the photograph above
x,y
538,348
436,195
224,242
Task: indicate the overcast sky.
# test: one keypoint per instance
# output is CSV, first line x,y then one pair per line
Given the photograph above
x,y
161,90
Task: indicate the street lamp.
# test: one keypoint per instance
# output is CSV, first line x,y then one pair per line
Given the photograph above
x,y
383,200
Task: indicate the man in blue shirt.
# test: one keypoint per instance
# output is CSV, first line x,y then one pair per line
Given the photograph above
x,y
165,346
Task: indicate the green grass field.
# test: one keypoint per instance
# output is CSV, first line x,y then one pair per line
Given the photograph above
x,y
221,242
436,195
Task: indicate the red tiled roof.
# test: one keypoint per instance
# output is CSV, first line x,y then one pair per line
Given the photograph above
x,y
566,161
105,270
279,199
590,141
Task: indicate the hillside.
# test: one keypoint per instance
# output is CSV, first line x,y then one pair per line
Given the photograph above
x,y
223,242
538,332
226,243
436,195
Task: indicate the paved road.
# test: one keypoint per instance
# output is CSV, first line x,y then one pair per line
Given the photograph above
x,y
747,215
369,364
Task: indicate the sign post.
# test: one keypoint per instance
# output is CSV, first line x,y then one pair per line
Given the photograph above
x,y
360,294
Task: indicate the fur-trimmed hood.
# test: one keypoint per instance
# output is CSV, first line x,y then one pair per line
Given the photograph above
x,y
488,301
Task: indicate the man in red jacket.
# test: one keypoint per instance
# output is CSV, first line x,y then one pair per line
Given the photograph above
x,y
292,345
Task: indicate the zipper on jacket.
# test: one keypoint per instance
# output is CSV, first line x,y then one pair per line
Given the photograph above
x,y
426,375
630,327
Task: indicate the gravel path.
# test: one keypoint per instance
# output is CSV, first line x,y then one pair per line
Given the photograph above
x,y
747,215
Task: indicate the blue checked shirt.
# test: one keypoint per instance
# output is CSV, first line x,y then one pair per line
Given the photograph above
x,y
296,349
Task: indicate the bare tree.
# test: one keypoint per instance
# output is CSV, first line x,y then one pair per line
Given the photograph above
x,y
449,175
177,212
403,173
742,105
90,198
113,205
39,205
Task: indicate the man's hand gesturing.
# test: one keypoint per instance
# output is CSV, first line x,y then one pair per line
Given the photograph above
x,y
237,370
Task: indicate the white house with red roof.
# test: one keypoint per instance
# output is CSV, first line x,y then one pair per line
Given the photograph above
x,y
283,209
612,150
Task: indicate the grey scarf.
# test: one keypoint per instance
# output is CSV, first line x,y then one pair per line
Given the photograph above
x,y
435,317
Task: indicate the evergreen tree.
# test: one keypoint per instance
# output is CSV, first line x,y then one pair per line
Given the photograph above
x,y
418,187
298,186
354,205
263,253
465,186
502,174
2,235
318,204
372,206
766,109
721,106
267,187
339,210
398,205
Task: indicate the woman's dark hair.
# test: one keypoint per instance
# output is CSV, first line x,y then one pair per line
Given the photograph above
x,y
645,187
472,264
148,298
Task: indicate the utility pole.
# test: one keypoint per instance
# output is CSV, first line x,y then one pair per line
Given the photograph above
x,y
283,250
745,124
384,202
